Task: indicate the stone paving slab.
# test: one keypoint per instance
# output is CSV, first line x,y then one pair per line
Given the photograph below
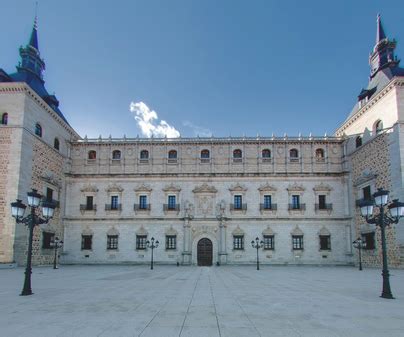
x,y
134,301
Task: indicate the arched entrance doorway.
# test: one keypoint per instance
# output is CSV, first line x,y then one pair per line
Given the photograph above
x,y
204,252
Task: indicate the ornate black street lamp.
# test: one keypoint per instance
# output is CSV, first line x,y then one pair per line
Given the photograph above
x,y
151,244
359,245
31,220
382,219
57,243
257,244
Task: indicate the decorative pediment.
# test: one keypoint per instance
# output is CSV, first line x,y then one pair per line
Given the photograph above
x,y
238,231
143,188
172,188
114,188
365,177
295,187
141,231
171,231
322,188
89,188
204,188
267,187
324,232
51,179
297,231
268,231
238,188
112,231
87,231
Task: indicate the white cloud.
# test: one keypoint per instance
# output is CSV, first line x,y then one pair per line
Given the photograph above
x,y
149,123
198,130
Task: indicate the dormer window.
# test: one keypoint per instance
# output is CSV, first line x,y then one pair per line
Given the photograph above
x,y
38,129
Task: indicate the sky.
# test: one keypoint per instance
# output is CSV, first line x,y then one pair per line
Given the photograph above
x,y
202,67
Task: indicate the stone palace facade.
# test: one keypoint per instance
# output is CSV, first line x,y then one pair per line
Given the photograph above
x,y
204,199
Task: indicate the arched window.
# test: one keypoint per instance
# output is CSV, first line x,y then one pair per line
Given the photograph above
x,y
358,141
319,154
144,154
56,144
116,155
38,129
293,153
92,155
172,154
378,127
266,154
4,118
237,154
205,154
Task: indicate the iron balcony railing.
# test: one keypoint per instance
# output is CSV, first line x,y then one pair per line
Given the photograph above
x,y
266,207
301,207
113,207
242,207
86,207
327,207
141,207
56,203
168,207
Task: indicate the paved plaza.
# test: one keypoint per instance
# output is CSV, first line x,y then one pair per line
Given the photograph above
x,y
220,301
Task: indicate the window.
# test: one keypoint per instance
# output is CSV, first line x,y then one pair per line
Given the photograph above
x,y
89,202
294,154
48,240
358,141
295,201
49,194
92,155
171,242
112,242
56,144
116,155
205,154
238,202
38,129
86,242
367,193
143,202
369,240
141,241
144,154
319,154
4,118
238,242
172,154
114,202
297,242
267,202
321,202
378,127
325,242
266,154
237,154
171,201
269,242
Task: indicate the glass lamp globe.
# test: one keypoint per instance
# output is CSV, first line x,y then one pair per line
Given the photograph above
x,y
381,197
34,198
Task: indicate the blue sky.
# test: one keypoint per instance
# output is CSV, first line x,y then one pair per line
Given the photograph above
x,y
228,67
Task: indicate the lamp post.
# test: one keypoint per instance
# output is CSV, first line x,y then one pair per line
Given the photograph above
x,y
57,243
395,210
257,244
151,244
31,220
359,244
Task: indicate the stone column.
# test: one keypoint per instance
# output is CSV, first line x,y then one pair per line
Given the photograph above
x,y
222,241
187,253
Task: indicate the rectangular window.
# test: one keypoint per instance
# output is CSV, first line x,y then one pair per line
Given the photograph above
x,y
143,202
296,201
89,202
297,242
47,240
114,202
112,242
171,242
267,202
171,202
369,240
86,242
325,242
238,242
141,241
238,202
269,242
367,193
321,202
49,194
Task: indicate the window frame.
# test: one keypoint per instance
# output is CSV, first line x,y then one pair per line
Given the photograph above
x,y
173,154
92,155
369,244
205,154
144,155
38,130
265,203
112,242
238,242
237,154
358,142
4,118
269,242
141,242
171,242
56,144
86,242
325,245
116,155
238,201
170,204
297,242
48,240
266,154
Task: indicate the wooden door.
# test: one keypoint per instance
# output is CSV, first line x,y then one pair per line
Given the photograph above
x,y
205,252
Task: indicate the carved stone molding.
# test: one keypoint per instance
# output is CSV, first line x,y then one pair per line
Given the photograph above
x,y
143,188
268,232
89,188
297,231
172,188
142,231
322,188
238,231
238,188
112,231
87,231
204,188
295,187
171,231
324,231
114,188
267,187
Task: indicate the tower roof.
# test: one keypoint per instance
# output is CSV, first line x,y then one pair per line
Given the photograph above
x,y
33,41
380,35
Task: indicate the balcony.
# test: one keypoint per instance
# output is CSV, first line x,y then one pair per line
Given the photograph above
x,y
53,201
113,207
237,160
269,208
171,208
205,160
172,161
323,207
86,207
141,207
238,208
297,207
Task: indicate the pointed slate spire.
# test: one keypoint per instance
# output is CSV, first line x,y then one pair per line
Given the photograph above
x,y
380,35
33,41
